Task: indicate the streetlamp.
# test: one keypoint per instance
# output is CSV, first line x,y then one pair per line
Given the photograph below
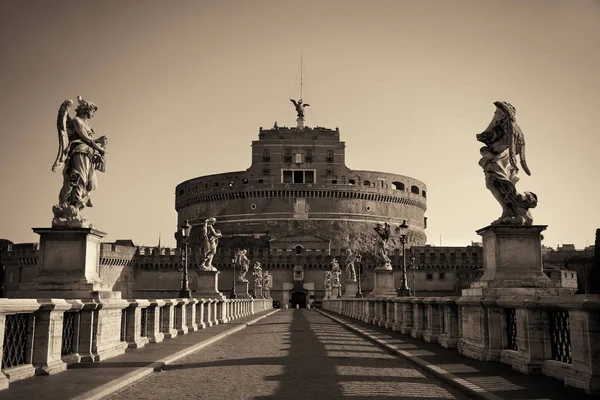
x,y
413,267
359,294
404,290
233,293
184,232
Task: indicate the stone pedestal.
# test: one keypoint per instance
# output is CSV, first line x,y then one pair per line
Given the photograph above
x,y
258,293
267,293
351,289
69,266
512,262
241,290
384,282
208,285
336,291
300,122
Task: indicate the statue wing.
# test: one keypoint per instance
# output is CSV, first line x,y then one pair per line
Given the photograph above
x,y
306,105
294,101
517,147
63,139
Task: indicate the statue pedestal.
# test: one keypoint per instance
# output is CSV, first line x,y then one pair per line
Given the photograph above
x,y
69,266
258,292
300,122
208,285
241,290
384,282
351,289
327,294
512,262
267,293
336,291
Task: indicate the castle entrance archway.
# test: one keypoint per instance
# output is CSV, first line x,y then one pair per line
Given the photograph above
x,y
298,298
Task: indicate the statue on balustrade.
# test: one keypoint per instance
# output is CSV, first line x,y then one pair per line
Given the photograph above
x,y
351,258
336,271
258,274
504,143
80,155
210,237
243,263
327,282
267,280
383,230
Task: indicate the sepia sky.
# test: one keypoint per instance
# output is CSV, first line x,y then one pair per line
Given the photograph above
x,y
183,87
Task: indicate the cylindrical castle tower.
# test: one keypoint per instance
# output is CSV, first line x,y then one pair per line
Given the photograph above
x,y
298,190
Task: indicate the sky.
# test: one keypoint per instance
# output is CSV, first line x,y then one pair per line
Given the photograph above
x,y
183,87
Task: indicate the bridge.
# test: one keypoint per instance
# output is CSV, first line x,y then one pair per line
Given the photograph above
x,y
375,348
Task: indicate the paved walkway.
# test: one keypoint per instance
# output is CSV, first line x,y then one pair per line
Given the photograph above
x,y
482,380
292,355
89,381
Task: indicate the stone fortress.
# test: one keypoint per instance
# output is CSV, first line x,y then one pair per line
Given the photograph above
x,y
296,208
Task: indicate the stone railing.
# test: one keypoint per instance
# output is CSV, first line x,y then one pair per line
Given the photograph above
x,y
557,336
42,337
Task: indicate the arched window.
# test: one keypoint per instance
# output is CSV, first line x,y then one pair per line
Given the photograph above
x,y
367,183
414,189
352,182
423,193
298,249
398,185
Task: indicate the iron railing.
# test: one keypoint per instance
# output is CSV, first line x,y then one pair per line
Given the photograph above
x,y
15,340
144,323
510,315
68,333
560,336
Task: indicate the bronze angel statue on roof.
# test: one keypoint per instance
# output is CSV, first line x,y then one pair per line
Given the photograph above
x,y
504,144
80,155
299,107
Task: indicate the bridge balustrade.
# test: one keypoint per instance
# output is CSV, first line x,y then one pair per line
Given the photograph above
x,y
42,337
555,336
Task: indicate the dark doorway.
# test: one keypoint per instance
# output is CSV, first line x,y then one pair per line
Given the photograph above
x,y
298,298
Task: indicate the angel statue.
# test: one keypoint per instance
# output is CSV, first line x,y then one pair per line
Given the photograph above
x,y
504,141
336,271
258,275
327,280
242,262
79,156
351,258
383,230
267,279
299,107
209,244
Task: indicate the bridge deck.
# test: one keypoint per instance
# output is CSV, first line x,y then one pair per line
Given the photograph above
x,y
292,354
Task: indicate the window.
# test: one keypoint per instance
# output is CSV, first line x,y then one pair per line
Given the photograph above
x,y
329,155
309,155
266,170
298,249
287,155
442,276
398,185
216,184
334,181
424,193
266,155
414,189
351,182
298,158
245,181
298,176
367,183
309,176
429,277
260,180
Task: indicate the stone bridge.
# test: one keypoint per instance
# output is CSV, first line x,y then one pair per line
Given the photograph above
x,y
375,348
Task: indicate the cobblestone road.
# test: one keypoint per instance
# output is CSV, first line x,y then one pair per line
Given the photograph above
x,y
294,354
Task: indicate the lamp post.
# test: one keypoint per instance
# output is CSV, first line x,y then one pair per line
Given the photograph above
x,y
403,290
185,291
233,293
413,267
359,294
